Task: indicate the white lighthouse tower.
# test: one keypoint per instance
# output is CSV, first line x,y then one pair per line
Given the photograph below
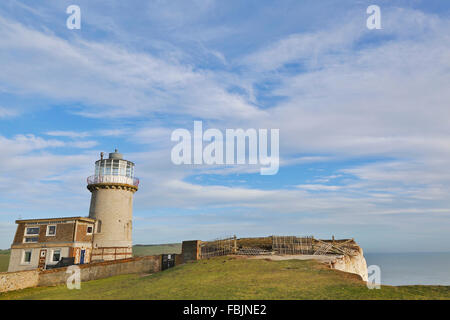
x,y
112,188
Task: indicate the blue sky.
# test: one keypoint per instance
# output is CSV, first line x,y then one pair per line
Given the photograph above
x,y
363,115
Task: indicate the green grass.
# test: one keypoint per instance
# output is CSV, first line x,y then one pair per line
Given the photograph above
x,y
4,260
233,278
153,249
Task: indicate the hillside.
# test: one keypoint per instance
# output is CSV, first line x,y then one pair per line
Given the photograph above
x,y
235,278
4,260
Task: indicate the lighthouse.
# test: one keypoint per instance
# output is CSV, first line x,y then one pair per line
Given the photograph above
x,y
112,188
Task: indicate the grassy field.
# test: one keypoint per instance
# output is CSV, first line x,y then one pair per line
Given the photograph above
x,y
4,260
152,249
234,278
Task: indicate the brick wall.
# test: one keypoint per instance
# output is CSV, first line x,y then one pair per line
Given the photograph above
x,y
18,238
190,250
81,234
64,233
10,281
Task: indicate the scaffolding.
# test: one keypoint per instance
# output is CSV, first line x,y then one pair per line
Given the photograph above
x,y
292,245
284,245
218,247
248,251
340,247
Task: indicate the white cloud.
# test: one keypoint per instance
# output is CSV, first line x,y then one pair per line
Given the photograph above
x,y
25,143
304,48
388,98
318,187
7,113
83,144
69,134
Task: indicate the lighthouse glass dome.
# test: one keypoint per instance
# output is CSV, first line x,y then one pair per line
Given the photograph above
x,y
114,170
114,167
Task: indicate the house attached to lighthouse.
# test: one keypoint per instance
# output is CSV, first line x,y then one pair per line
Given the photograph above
x,y
105,235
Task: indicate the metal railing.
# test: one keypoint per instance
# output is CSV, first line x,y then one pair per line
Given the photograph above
x,y
218,247
113,179
292,245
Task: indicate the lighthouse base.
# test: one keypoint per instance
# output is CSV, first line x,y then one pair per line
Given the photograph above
x,y
111,253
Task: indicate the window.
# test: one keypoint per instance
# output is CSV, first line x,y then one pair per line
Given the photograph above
x,y
115,167
97,169
51,230
99,226
27,256
56,255
123,168
129,169
89,230
108,167
31,231
31,239
102,168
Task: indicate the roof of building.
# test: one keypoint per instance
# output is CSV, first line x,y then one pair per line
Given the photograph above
x,y
116,155
86,219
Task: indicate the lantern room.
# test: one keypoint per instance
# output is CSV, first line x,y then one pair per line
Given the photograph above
x,y
114,170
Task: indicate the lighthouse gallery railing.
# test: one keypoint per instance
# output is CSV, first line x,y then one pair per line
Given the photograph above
x,y
113,179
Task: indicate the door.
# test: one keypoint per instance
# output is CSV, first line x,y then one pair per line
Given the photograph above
x,y
42,258
82,256
168,261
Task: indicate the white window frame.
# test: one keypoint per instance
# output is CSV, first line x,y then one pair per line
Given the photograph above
x,y
29,237
87,228
23,256
53,253
48,227
98,226
32,234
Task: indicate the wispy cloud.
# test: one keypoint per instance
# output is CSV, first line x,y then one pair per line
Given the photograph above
x,y
128,83
7,112
69,134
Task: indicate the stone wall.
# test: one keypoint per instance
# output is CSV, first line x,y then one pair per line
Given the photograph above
x,y
100,270
10,281
179,259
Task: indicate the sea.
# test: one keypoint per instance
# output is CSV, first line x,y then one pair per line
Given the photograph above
x,y
399,269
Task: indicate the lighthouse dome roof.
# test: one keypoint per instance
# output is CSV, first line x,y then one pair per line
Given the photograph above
x,y
116,155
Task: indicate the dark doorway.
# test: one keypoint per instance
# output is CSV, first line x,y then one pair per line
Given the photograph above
x,y
168,261
82,256
42,258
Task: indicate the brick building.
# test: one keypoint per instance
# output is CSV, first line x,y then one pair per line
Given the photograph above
x,y
42,242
